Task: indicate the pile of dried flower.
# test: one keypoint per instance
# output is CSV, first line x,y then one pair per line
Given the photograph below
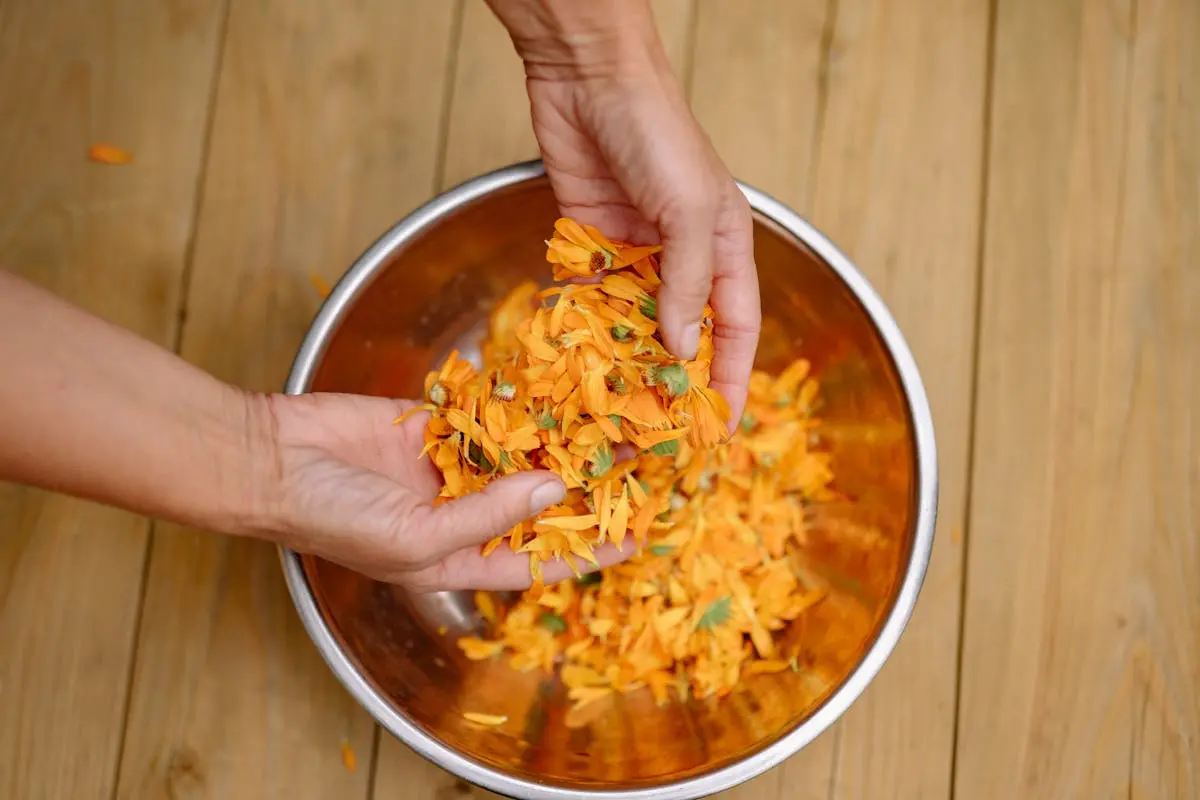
x,y
716,522
562,386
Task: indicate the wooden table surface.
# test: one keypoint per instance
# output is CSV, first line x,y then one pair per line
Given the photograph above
x,y
1019,178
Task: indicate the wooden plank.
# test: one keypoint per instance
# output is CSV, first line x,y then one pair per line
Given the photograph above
x,y
489,128
489,115
899,187
136,74
489,112
1081,663
325,132
755,87
897,107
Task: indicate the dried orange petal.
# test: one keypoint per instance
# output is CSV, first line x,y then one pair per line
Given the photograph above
x,y
109,154
722,526
484,719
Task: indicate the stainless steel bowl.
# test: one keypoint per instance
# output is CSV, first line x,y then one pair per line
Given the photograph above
x,y
426,286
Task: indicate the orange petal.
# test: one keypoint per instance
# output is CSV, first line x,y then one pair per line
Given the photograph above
x,y
590,435
610,430
595,395
515,535
643,520
636,255
620,520
578,522
650,438
484,719
562,387
602,499
109,154
483,600
599,239
574,233
320,284
636,492
622,287
557,313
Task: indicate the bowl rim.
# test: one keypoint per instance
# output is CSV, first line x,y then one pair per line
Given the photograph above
x,y
315,343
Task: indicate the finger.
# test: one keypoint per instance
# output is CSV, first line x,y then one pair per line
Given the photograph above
x,y
624,452
503,570
737,309
734,346
471,520
687,274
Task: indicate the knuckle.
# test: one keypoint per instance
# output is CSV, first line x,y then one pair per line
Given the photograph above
x,y
692,203
434,578
737,209
691,294
700,205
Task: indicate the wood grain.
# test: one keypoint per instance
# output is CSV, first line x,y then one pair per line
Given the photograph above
x,y
137,75
755,86
899,187
489,112
850,113
325,132
1081,663
489,128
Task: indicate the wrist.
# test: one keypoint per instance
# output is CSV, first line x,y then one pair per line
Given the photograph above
x,y
572,40
253,478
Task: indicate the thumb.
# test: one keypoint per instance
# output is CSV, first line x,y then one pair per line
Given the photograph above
x,y
477,517
687,274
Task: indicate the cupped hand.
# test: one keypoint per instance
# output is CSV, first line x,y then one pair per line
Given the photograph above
x,y
624,153
348,486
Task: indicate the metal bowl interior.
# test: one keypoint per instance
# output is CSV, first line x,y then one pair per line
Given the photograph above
x,y
395,318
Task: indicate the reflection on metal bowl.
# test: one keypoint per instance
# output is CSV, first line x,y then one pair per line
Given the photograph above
x,y
426,287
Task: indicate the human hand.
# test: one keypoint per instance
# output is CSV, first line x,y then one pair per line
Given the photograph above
x,y
97,412
624,153
348,486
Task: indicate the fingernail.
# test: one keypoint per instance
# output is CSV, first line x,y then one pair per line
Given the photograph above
x,y
690,343
546,495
